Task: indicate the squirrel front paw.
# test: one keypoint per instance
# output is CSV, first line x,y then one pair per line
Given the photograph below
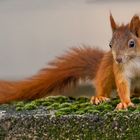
x,y
98,99
124,105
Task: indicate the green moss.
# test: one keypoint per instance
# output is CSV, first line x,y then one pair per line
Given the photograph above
x,y
19,108
137,108
54,106
29,106
114,102
67,105
105,106
46,103
136,100
58,99
20,104
78,119
63,111
80,112
82,99
38,102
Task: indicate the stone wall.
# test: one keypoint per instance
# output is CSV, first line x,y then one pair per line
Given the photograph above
x,y
61,118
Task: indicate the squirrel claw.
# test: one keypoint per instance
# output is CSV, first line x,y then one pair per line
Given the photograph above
x,y
124,105
98,99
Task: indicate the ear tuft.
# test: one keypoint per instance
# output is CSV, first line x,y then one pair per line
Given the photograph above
x,y
112,22
135,25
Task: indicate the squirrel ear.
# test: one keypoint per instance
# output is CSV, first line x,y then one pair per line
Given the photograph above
x,y
135,25
112,22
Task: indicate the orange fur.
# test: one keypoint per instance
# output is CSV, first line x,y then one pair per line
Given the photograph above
x,y
65,71
84,63
123,87
115,76
105,77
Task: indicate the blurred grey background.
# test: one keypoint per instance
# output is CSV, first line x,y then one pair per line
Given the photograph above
x,y
33,32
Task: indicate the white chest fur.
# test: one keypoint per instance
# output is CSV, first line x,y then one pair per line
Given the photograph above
x,y
132,69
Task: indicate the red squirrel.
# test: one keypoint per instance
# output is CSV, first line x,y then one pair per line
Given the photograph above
x,y
119,69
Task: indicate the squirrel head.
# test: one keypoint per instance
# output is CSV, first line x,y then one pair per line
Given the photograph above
x,y
125,42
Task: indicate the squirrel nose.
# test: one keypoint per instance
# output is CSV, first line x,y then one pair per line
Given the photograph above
x,y
119,59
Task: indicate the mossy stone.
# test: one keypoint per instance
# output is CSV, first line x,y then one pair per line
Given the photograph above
x,y
70,118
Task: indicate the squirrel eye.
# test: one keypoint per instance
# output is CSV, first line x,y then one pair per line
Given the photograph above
x,y
110,45
131,43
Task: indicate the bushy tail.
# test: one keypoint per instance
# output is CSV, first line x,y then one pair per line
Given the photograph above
x,y
65,71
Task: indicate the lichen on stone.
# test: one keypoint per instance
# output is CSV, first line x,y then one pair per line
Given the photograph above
x,y
69,118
